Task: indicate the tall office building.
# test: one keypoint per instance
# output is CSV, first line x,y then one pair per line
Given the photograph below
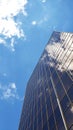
x,y
48,102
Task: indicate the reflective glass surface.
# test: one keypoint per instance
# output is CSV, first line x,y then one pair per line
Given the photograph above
x,y
49,93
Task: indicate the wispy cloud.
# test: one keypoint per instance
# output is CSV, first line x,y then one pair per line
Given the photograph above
x,y
8,26
9,92
43,1
40,21
2,41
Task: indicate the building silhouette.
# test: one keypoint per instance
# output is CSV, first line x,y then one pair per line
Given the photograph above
x,y
48,101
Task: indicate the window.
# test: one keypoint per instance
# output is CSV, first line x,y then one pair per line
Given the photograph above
x,y
50,86
57,114
39,117
55,78
31,127
51,122
65,103
43,99
70,93
39,126
69,116
66,80
54,100
52,69
60,90
45,127
49,107
39,104
35,124
60,125
44,114
71,128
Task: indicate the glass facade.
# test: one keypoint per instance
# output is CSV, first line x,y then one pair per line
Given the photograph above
x,y
48,102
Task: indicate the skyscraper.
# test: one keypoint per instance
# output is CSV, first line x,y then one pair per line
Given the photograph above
x,y
48,102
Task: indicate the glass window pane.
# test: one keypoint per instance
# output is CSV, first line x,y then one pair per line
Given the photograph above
x,y
69,116
39,117
55,78
49,107
31,127
44,114
70,93
66,80
50,86
54,100
35,125
65,103
71,128
45,127
39,126
57,113
51,122
39,104
60,125
60,90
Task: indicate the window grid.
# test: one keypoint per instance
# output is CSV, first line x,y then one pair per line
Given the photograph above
x,y
39,98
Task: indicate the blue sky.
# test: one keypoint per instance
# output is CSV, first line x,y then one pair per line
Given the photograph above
x,y
25,28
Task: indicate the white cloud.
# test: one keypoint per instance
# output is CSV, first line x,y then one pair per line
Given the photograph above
x,y
2,41
10,8
34,22
40,21
13,86
9,92
12,44
8,27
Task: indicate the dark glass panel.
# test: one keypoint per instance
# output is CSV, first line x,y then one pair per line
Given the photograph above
x,y
59,73
44,114
43,99
30,128
70,93
39,127
25,125
39,117
60,125
60,90
35,109
52,69
54,128
49,107
35,124
39,104
54,100
28,121
50,86
71,128
31,117
65,103
66,80
51,122
46,87
55,78
57,113
69,116
45,127
47,71
42,88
